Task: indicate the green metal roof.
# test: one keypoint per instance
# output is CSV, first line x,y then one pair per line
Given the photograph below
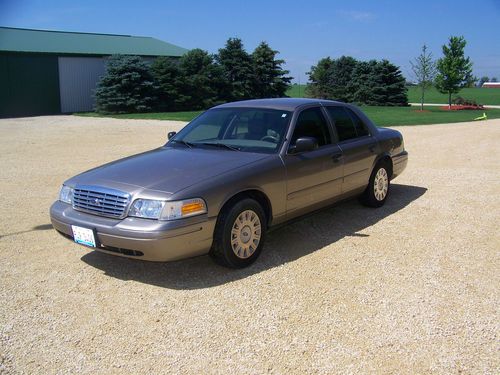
x,y
61,42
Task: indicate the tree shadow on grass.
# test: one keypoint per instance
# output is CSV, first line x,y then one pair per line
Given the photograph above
x,y
285,244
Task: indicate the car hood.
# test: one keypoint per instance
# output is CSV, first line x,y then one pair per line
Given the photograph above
x,y
165,170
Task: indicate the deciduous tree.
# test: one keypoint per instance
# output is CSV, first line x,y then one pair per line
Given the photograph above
x,y
424,69
482,80
454,69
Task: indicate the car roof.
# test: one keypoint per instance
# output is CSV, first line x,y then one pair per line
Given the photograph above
x,y
286,104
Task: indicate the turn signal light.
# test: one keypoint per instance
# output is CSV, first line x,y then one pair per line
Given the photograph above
x,y
192,207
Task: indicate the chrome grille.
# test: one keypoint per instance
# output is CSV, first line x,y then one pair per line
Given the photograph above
x,y
100,201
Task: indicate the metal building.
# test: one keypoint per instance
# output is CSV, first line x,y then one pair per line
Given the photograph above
x,y
495,85
50,72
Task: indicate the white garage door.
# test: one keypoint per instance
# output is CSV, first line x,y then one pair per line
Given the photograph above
x,y
78,77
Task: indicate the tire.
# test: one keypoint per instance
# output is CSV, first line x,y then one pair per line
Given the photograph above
x,y
378,188
239,234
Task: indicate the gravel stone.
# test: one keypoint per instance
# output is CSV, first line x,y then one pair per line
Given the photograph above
x,y
412,287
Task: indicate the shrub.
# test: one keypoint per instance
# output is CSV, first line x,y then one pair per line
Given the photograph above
x,y
467,102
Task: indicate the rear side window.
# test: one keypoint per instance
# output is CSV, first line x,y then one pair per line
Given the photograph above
x,y
359,125
343,123
312,123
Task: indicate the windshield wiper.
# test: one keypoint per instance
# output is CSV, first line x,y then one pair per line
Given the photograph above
x,y
185,143
221,145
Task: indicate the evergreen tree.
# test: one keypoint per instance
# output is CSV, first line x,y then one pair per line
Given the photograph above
x,y
331,78
340,77
378,83
237,70
127,86
362,82
270,78
167,73
320,78
424,69
198,74
390,85
454,69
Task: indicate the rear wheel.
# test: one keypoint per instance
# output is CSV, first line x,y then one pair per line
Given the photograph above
x,y
377,190
239,234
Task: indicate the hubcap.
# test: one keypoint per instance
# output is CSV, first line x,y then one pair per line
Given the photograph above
x,y
245,234
381,184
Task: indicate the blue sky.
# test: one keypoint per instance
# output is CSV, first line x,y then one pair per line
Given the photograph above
x,y
302,31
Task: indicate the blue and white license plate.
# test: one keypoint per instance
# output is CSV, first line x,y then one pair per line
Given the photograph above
x,y
83,236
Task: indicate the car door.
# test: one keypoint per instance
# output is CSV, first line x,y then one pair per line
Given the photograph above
x,y
358,147
313,176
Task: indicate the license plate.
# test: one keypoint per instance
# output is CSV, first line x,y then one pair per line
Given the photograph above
x,y
83,236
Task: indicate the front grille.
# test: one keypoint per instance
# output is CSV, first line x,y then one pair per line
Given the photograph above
x,y
100,201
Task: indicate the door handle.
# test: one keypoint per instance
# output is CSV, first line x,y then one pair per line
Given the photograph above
x,y
336,157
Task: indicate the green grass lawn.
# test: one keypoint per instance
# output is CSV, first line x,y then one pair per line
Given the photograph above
x,y
398,116
382,116
296,91
481,95
172,116
486,96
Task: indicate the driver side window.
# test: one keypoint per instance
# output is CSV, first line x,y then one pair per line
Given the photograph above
x,y
312,123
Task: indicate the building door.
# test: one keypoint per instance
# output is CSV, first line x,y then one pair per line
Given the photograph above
x,y
78,77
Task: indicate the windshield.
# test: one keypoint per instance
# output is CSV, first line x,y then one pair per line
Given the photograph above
x,y
238,129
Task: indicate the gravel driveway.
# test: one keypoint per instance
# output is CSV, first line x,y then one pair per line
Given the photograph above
x,y
412,287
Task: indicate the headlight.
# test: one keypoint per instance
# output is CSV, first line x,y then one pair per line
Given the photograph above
x,y
165,210
66,194
147,208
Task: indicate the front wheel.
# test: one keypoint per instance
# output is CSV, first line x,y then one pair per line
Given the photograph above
x,y
239,234
377,190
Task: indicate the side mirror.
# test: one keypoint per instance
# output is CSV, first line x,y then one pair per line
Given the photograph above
x,y
171,134
304,144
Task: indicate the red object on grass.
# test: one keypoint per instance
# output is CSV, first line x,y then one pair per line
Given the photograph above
x,y
455,107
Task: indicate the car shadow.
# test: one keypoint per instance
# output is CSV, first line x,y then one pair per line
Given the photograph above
x,y
283,245
36,228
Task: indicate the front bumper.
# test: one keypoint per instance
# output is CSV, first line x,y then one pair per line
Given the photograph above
x,y
145,239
